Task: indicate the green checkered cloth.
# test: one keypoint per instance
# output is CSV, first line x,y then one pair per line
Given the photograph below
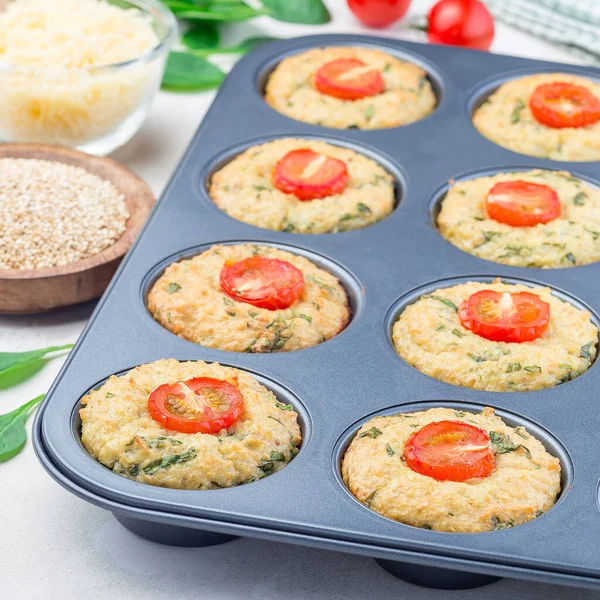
x,y
574,24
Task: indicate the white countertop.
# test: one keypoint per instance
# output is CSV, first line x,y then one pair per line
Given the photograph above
x,y
54,546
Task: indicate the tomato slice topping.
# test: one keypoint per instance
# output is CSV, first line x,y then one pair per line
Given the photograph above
x,y
349,79
522,204
450,451
309,175
561,105
505,316
264,282
200,405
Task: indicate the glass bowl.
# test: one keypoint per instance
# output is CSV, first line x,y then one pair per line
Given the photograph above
x,y
93,109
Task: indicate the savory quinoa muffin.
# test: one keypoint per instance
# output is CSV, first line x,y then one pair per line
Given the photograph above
x,y
451,470
544,219
188,425
350,87
249,298
303,186
550,115
496,336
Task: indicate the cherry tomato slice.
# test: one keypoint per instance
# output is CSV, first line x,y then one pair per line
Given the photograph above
x,y
264,282
560,105
349,79
466,23
450,451
309,175
505,316
378,13
200,405
522,204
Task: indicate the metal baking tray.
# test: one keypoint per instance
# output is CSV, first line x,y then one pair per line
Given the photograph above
x,y
336,386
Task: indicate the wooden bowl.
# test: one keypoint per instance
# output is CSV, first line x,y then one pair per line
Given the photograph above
x,y
40,290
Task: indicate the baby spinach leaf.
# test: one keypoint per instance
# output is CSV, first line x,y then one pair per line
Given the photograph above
x,y
244,47
13,434
188,73
308,12
586,350
201,36
213,11
16,367
579,199
250,44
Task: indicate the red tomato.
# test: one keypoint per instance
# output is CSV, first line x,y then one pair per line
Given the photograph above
x,y
264,282
522,204
561,105
505,316
349,79
378,13
309,175
465,23
200,405
450,451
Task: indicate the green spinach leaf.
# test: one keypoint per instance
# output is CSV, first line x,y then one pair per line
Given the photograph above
x,y
213,11
16,367
308,12
202,36
13,434
188,73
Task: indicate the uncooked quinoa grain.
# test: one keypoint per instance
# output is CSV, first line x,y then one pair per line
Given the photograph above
x,y
53,214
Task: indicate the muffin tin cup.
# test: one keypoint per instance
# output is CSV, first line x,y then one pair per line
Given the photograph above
x,y
338,383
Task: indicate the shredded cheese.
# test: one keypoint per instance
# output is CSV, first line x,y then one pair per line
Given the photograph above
x,y
51,91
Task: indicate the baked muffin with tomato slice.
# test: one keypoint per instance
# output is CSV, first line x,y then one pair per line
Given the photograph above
x,y
350,87
303,186
544,219
496,336
549,115
250,298
451,470
188,425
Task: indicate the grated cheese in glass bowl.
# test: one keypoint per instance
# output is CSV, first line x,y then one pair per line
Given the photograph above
x,y
80,73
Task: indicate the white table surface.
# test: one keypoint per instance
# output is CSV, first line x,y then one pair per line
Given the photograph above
x,y
54,546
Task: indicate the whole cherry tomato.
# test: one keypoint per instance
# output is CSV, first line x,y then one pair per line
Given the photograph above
x,y
466,23
378,13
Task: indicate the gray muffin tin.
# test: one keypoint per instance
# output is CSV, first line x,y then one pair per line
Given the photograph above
x,y
339,384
